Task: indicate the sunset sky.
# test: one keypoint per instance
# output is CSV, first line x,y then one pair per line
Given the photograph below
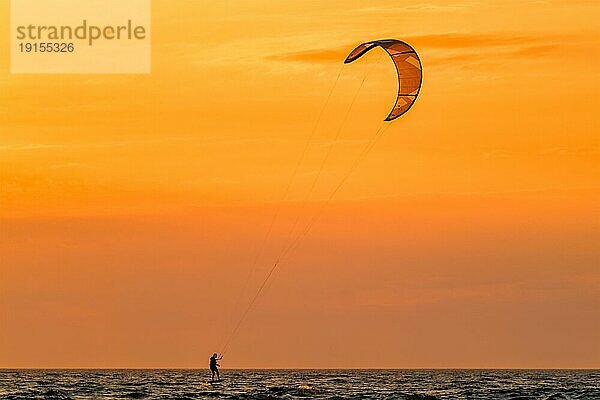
x,y
132,207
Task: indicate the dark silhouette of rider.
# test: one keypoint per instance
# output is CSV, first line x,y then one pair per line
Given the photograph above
x,y
214,366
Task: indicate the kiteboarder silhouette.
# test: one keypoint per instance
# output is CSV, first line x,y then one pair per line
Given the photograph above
x,y
214,366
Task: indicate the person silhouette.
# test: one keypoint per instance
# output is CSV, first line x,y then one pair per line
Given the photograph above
x,y
214,366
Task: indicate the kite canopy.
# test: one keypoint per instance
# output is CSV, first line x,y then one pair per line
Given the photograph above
x,y
408,67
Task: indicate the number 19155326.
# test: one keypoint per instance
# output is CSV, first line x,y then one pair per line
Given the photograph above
x,y
47,47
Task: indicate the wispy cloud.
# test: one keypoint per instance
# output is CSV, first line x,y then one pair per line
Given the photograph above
x,y
456,40
208,140
422,7
572,152
313,56
453,47
497,154
460,40
559,151
68,165
93,145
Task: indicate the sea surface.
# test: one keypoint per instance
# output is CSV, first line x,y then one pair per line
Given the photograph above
x,y
301,384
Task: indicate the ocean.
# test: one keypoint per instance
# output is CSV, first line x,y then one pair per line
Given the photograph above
x,y
302,384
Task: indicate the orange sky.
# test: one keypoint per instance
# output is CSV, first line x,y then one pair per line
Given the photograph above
x,y
132,206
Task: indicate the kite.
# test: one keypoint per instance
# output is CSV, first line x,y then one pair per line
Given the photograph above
x,y
408,67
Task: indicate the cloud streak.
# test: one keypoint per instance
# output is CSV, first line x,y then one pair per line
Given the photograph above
x,y
423,7
452,48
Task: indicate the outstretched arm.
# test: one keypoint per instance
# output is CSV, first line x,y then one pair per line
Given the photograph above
x,y
220,357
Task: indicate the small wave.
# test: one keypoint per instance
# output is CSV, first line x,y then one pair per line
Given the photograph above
x,y
56,394
300,391
277,389
558,396
305,390
136,395
419,396
208,394
519,397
